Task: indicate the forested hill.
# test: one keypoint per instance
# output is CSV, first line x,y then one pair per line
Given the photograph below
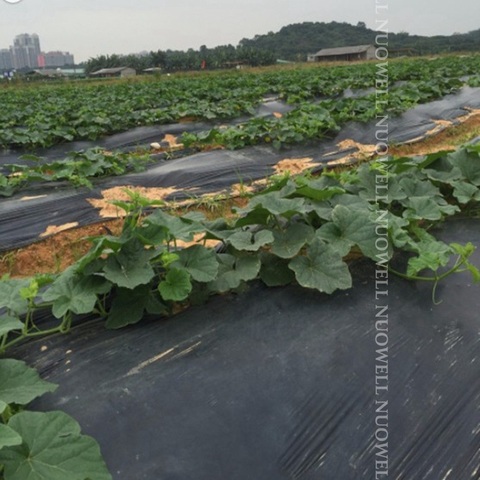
x,y
295,41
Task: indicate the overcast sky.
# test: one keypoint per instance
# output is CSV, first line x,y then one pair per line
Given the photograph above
x,y
88,28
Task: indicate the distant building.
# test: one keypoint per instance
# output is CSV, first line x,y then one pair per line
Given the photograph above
x,y
25,51
238,64
55,59
45,73
73,72
122,72
56,73
6,61
348,54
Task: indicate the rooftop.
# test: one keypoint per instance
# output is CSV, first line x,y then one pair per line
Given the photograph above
x,y
325,52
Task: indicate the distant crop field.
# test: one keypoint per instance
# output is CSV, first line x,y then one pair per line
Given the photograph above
x,y
45,115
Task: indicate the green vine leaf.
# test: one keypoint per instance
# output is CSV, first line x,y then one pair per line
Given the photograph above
x,y
352,201
426,208
350,226
107,243
469,164
474,271
396,228
323,210
20,384
9,324
75,293
372,186
443,172
176,286
129,306
413,186
9,437
255,216
322,268
274,271
200,262
233,270
249,241
130,267
53,448
153,234
317,189
288,243
465,192
10,295
432,254
276,204
331,233
180,228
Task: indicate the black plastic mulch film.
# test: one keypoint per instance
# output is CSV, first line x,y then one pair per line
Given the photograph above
x,y
25,217
275,384
280,383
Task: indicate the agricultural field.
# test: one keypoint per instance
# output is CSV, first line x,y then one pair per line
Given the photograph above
x,y
320,101
157,255
42,116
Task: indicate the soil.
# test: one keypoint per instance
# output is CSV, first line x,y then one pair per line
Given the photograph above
x,y
108,210
449,138
294,165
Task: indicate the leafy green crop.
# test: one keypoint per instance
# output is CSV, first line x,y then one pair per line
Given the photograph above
x,y
44,115
304,227
297,230
78,168
309,122
301,230
37,445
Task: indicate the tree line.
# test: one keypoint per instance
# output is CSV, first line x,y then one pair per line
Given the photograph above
x,y
176,60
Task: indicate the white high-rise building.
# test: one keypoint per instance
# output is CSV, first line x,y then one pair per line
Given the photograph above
x,y
25,51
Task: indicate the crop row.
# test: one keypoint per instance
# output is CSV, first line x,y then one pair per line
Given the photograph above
x,y
306,123
49,114
311,121
297,230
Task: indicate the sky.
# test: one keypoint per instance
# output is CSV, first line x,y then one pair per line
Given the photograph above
x,y
88,28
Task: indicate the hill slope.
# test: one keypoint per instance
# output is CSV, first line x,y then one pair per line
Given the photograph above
x,y
295,41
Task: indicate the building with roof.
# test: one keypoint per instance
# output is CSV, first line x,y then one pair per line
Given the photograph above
x,y
45,73
56,73
346,54
122,72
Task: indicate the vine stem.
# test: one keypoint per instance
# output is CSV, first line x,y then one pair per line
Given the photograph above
x,y
22,337
435,278
100,306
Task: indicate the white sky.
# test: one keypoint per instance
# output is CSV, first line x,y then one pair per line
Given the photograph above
x,y
88,28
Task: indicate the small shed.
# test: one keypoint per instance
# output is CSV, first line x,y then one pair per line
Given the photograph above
x,y
122,72
346,54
